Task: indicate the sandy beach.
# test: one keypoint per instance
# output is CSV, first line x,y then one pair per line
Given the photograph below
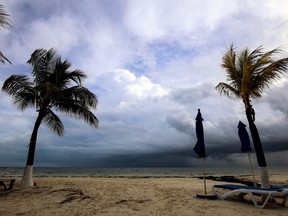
x,y
125,196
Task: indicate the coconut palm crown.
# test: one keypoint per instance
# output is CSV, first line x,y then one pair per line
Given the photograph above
x,y
54,87
248,75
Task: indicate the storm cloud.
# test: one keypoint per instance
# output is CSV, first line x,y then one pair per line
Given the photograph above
x,y
152,64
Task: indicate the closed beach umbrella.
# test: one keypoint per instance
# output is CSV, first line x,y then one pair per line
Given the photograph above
x,y
199,148
244,137
200,145
245,144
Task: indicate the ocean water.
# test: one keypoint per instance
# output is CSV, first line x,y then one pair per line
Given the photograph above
x,y
182,172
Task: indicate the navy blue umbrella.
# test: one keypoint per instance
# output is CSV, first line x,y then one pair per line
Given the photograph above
x,y
200,145
245,144
244,137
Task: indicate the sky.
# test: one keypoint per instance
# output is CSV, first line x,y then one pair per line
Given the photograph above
x,y
152,65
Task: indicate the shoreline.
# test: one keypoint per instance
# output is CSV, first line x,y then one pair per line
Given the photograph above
x,y
275,179
142,171
244,179
83,196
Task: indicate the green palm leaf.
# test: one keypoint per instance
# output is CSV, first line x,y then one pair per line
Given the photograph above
x,y
248,74
228,90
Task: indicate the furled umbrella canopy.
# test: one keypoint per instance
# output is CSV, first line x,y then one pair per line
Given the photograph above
x,y
201,152
244,137
200,145
245,145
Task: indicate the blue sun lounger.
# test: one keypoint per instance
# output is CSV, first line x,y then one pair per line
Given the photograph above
x,y
241,191
279,187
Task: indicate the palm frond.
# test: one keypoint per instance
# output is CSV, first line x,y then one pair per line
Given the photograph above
x,y
81,94
228,90
43,64
21,90
53,122
4,18
4,59
63,77
78,110
228,64
270,74
242,60
77,76
255,55
16,83
234,75
46,89
261,60
25,99
60,74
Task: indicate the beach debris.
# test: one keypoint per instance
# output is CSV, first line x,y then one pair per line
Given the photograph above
x,y
72,195
124,201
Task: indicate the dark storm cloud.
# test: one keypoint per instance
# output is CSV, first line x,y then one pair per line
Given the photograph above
x,y
277,97
176,121
146,111
193,94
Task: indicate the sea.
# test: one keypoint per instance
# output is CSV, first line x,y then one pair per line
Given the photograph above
x,y
181,172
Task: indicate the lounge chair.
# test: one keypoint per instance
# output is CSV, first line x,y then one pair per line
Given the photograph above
x,y
11,183
241,191
279,187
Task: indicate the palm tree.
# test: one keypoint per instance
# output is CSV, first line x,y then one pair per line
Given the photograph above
x,y
4,23
248,75
53,86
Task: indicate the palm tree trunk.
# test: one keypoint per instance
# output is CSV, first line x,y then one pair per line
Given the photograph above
x,y
258,149
27,179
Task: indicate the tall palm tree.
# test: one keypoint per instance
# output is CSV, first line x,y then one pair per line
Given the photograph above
x,y
5,24
248,75
53,86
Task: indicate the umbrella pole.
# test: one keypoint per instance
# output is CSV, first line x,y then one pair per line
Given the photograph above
x,y
251,167
204,176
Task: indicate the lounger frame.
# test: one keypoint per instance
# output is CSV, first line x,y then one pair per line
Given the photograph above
x,y
241,191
